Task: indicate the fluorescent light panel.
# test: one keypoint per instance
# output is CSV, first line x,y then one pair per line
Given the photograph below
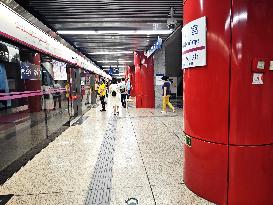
x,y
120,61
111,52
120,32
108,66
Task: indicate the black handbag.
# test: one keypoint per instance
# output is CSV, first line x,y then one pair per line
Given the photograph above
x,y
114,93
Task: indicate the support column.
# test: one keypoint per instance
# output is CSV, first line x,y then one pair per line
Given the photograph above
x,y
132,79
229,104
130,73
144,81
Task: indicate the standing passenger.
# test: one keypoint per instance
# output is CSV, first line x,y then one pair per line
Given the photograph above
x,y
102,93
114,95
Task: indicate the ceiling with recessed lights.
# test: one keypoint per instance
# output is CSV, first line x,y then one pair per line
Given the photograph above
x,y
107,31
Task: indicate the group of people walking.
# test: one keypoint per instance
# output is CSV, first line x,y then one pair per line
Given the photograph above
x,y
116,92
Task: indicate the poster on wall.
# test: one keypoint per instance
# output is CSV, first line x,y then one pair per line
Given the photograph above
x,y
194,48
59,70
158,80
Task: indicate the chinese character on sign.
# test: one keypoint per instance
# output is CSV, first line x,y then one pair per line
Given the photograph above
x,y
194,30
195,56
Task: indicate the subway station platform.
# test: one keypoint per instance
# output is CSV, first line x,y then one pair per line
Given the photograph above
x,y
105,159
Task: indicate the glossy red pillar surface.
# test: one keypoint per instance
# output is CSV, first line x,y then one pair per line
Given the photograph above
x,y
144,81
131,74
230,119
251,106
206,94
205,172
207,88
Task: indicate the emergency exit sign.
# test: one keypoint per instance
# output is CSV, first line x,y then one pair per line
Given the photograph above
x,y
187,140
194,48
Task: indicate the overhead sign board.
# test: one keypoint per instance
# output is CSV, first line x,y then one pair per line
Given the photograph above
x,y
194,47
157,45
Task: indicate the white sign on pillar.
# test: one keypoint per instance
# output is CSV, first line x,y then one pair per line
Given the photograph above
x,y
194,47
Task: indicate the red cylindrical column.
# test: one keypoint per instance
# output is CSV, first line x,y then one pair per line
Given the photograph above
x,y
132,79
131,74
227,116
144,81
148,92
138,83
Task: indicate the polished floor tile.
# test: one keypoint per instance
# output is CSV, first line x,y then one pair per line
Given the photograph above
x,y
146,163
177,195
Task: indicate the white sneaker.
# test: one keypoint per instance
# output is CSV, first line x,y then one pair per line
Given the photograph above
x,y
163,112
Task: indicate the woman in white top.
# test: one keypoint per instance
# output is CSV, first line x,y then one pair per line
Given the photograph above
x,y
114,95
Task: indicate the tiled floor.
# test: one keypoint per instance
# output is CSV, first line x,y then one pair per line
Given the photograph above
x,y
147,163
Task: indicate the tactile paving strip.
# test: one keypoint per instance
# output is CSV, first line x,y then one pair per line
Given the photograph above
x,y
5,198
100,186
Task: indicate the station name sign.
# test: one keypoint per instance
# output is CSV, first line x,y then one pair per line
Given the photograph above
x,y
194,48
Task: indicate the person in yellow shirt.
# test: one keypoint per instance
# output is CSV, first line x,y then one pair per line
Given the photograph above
x,y
102,94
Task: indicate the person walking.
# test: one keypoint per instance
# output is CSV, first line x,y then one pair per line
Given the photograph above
x,y
114,95
122,87
57,94
128,86
102,94
166,88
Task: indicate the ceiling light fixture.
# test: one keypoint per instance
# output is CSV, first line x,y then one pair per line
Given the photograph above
x,y
119,66
120,61
120,32
112,52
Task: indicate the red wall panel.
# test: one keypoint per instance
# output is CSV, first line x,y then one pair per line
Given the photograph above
x,y
251,105
205,170
250,175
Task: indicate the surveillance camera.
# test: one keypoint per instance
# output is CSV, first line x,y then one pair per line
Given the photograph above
x,y
171,23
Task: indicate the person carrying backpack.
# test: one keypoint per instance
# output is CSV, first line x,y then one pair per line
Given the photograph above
x,y
114,96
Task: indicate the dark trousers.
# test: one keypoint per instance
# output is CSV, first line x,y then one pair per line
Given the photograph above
x,y
123,99
102,100
59,98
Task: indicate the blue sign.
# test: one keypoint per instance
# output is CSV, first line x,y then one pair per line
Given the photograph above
x,y
157,45
110,72
113,71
